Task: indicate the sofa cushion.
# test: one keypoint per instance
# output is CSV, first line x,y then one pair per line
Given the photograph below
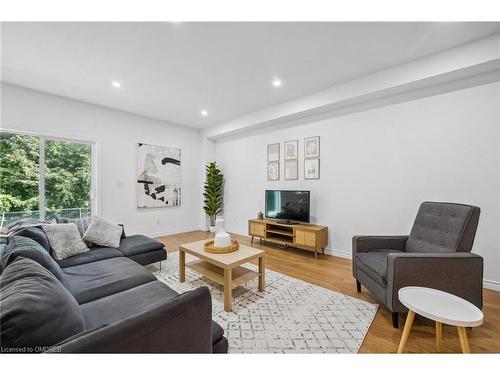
x,y
374,264
36,311
123,305
94,255
149,257
91,281
36,234
138,244
28,248
119,306
103,232
64,240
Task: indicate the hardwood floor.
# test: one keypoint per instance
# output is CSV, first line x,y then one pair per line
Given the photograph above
x,y
335,273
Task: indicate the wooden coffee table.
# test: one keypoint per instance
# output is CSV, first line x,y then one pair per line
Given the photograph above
x,y
224,269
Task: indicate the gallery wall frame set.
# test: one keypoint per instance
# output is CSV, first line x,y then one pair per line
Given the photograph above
x,y
291,159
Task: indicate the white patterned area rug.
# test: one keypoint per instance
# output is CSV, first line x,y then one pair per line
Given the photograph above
x,y
291,316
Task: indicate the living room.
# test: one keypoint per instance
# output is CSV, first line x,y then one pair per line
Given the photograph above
x,y
250,187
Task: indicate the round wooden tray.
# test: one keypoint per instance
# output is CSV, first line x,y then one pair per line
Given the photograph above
x,y
209,247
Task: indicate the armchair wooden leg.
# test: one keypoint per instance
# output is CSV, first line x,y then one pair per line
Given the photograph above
x,y
395,320
358,286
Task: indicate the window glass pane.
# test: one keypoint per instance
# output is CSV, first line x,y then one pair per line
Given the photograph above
x,y
67,180
19,177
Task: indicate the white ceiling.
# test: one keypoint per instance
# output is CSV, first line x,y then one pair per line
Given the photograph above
x,y
171,71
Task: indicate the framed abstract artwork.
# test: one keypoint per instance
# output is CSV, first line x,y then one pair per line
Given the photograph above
x,y
158,176
273,152
311,147
273,170
292,169
291,150
311,169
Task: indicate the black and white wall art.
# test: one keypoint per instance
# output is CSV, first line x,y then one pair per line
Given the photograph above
x,y
158,176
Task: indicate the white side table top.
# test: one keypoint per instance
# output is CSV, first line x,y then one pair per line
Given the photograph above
x,y
441,306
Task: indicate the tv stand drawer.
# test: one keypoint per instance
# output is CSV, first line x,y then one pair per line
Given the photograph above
x,y
305,238
257,229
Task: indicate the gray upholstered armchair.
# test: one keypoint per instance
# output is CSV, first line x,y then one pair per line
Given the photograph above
x,y
436,254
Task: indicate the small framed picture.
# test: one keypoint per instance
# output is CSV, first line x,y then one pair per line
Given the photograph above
x,y
292,169
273,170
311,147
291,150
273,152
311,169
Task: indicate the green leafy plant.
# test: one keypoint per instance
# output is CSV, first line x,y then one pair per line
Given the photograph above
x,y
214,191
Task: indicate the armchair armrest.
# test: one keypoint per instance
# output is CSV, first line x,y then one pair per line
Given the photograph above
x,y
458,273
369,243
180,325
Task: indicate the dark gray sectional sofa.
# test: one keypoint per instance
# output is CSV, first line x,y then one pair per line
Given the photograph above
x,y
113,304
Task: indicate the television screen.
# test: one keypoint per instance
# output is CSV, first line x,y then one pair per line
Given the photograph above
x,y
287,205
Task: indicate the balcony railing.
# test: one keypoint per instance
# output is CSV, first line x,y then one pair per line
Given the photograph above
x,y
7,218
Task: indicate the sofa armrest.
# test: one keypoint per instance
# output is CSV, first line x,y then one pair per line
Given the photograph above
x,y
369,243
180,325
460,274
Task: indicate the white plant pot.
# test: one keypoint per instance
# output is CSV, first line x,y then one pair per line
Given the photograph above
x,y
211,228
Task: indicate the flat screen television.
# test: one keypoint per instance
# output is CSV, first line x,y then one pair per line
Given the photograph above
x,y
288,205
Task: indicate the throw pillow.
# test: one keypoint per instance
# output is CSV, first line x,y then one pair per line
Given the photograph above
x,y
65,240
81,224
103,232
37,311
36,234
26,247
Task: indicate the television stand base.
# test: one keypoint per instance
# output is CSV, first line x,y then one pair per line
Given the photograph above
x,y
305,236
288,222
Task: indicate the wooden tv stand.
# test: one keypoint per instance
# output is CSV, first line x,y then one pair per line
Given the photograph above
x,y
304,236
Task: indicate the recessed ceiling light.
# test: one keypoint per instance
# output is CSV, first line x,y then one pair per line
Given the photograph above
x,y
116,84
277,82
204,113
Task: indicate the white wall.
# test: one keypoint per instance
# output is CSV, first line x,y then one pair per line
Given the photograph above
x,y
378,166
117,134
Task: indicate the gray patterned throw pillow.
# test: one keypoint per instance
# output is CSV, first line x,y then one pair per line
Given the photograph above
x,y
82,225
65,240
103,232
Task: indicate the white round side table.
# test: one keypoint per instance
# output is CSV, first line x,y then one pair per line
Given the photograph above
x,y
441,307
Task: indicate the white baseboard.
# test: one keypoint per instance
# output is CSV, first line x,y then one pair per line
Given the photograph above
x,y
490,284
338,253
172,231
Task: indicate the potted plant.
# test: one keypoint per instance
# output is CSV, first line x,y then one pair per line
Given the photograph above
x,y
213,194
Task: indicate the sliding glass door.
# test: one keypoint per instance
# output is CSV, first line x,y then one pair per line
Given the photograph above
x,y
44,178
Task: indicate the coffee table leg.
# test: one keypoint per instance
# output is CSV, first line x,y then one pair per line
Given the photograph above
x,y
262,276
228,290
464,343
182,266
406,331
439,334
